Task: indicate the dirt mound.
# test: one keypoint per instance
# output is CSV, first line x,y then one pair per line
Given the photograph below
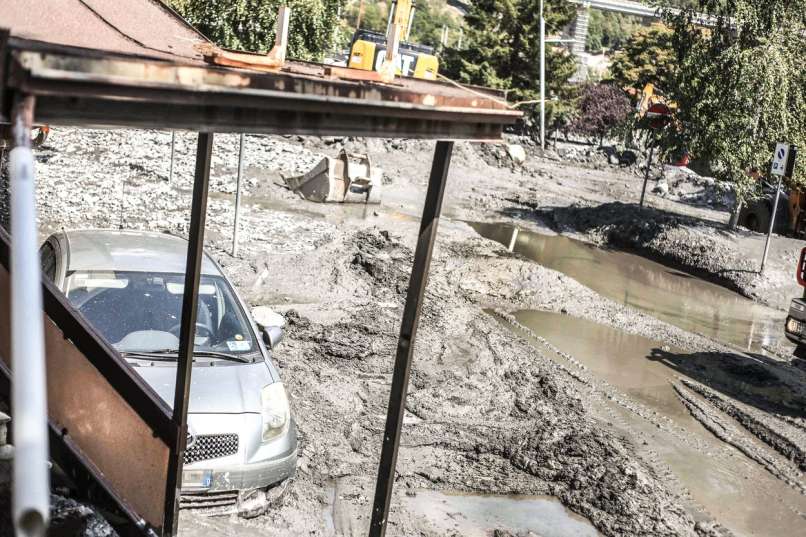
x,y
383,258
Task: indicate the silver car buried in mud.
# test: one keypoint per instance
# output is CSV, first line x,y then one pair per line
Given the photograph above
x,y
242,438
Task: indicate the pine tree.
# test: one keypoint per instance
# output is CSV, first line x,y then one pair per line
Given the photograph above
x,y
502,50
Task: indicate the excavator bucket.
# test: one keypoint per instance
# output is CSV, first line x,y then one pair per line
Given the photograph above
x,y
350,177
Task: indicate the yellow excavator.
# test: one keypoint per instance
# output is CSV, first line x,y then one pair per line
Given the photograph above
x,y
368,48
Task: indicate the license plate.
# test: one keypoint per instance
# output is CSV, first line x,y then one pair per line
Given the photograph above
x,y
197,479
793,326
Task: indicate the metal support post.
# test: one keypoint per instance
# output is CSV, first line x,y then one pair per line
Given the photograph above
x,y
187,331
173,152
408,333
31,492
237,198
542,78
513,240
646,175
772,224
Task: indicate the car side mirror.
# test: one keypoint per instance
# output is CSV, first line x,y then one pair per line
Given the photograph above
x,y
270,323
264,316
272,336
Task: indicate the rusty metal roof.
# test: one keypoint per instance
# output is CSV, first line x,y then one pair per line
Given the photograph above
x,y
142,27
134,63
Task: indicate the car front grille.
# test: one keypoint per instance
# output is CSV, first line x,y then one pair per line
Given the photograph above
x,y
210,446
210,503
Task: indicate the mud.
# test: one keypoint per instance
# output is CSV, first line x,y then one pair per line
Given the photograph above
x,y
665,293
489,411
729,475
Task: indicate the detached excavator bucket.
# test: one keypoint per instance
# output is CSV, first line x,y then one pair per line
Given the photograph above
x,y
348,178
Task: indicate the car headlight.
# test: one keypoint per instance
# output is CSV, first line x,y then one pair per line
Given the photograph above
x,y
274,411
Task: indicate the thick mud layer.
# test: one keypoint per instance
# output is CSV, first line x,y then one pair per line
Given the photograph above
x,y
489,412
730,478
667,294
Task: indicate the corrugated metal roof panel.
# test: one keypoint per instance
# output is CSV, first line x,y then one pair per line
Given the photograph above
x,y
143,27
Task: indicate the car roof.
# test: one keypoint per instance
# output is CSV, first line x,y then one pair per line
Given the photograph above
x,y
134,251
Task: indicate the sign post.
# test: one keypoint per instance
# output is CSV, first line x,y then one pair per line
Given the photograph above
x,y
783,165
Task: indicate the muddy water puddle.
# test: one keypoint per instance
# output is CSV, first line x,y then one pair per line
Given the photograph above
x,y
673,296
467,514
723,483
472,515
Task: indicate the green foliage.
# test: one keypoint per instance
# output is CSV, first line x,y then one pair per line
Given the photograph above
x,y
373,18
502,50
608,31
740,86
647,56
249,24
429,18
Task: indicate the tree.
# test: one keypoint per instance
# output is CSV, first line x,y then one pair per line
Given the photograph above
x,y
602,109
502,50
249,24
739,86
647,56
608,31
373,18
429,19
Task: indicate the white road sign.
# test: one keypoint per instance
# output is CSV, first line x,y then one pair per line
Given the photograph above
x,y
780,158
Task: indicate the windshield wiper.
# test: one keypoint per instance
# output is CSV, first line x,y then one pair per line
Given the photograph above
x,y
164,355
223,356
171,355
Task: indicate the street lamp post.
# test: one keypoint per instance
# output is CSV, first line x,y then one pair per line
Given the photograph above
x,y
542,78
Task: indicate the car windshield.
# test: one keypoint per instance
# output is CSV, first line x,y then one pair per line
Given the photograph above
x,y
142,311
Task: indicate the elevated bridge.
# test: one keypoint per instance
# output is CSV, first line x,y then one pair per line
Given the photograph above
x,y
579,28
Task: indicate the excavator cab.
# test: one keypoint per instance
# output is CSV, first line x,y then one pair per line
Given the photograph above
x,y
368,48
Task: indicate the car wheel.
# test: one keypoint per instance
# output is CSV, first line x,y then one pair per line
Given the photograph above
x,y
757,218
800,352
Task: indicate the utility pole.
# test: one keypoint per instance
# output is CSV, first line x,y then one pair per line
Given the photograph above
x,y
542,78
543,42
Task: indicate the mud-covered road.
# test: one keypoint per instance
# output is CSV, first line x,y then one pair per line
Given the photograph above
x,y
528,388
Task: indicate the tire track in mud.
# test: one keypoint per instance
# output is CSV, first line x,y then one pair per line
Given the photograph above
x,y
735,439
791,450
608,395
710,418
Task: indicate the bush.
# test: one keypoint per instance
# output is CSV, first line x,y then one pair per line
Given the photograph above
x,y
601,110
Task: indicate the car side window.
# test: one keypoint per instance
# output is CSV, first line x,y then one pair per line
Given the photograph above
x,y
47,257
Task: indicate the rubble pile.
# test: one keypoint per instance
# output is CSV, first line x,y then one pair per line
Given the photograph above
x,y
682,184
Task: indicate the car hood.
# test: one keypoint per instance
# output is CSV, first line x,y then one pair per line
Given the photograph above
x,y
222,389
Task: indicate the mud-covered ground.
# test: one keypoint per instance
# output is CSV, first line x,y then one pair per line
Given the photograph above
x,y
493,406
